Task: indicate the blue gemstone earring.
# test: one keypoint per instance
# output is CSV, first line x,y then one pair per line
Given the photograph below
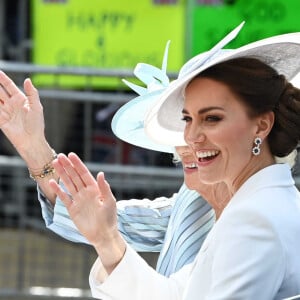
x,y
256,148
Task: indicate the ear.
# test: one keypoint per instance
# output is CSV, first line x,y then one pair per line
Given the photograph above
x,y
265,124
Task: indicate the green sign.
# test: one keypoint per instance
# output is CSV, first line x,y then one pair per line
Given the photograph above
x,y
212,20
105,34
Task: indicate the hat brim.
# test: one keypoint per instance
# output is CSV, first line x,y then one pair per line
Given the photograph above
x,y
128,123
281,52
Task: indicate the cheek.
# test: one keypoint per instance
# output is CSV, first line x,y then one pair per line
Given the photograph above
x,y
238,140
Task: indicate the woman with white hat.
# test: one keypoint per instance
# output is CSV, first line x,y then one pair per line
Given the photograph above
x,y
239,112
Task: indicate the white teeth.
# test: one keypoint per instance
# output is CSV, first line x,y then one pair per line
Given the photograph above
x,y
190,165
207,153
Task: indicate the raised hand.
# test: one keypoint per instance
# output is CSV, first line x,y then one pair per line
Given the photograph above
x,y
21,114
91,206
22,122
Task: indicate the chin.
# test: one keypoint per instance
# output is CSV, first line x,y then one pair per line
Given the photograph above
x,y
209,180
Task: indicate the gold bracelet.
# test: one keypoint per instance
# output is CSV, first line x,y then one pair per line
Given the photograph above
x,y
46,170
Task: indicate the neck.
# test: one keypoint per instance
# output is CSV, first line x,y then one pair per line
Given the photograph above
x,y
255,164
217,195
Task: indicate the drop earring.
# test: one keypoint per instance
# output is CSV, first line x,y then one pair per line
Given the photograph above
x,y
256,148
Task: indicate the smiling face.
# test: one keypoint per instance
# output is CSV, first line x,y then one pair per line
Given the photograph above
x,y
189,165
215,194
221,133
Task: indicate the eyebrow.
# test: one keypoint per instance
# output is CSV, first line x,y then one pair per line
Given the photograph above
x,y
204,110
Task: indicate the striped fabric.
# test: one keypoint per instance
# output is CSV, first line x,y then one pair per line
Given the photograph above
x,y
175,227
191,220
144,223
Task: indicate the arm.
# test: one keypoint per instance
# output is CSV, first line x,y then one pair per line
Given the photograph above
x,y
142,222
140,281
93,209
22,122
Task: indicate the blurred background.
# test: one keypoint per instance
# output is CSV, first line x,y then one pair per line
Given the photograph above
x,y
76,53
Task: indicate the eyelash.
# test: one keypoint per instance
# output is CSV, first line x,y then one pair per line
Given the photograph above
x,y
213,118
186,119
209,118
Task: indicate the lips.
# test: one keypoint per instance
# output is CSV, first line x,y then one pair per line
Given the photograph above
x,y
190,166
207,155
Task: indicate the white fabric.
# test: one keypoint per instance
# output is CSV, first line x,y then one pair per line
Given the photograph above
x,y
251,253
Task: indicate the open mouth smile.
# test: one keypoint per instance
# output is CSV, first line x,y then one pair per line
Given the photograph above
x,y
204,156
190,166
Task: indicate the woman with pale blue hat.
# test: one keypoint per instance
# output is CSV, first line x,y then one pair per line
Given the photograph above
x,y
174,226
191,217
240,112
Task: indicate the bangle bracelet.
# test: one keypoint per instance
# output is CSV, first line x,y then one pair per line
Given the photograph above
x,y
46,170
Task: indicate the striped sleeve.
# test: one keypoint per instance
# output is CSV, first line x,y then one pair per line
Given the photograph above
x,y
143,223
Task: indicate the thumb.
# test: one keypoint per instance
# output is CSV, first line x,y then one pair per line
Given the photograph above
x,y
104,187
32,93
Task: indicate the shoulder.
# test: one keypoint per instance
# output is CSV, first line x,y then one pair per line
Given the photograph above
x,y
269,218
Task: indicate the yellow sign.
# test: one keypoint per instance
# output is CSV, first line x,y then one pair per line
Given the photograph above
x,y
105,34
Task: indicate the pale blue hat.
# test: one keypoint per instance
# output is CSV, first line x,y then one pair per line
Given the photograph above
x,y
128,122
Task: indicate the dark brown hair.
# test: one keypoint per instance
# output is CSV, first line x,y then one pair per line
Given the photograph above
x,y
262,89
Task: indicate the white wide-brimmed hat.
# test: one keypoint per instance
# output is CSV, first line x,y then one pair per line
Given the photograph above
x,y
163,122
128,122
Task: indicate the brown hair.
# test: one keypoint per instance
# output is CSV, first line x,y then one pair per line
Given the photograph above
x,y
262,89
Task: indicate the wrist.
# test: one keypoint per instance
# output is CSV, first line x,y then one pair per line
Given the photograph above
x,y
46,171
111,252
37,154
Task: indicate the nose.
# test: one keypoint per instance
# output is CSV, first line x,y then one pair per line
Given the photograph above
x,y
194,134
183,150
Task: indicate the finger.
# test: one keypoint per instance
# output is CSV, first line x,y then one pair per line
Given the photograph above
x,y
10,94
32,93
12,106
63,174
3,94
15,101
63,196
104,187
72,171
81,169
8,85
